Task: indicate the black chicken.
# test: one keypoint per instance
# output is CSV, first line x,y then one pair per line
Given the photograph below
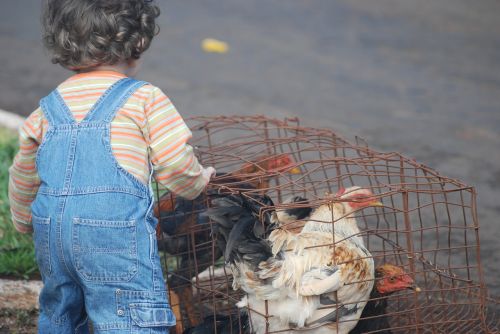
x,y
187,235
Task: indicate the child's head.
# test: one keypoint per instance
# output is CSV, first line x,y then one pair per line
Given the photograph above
x,y
82,34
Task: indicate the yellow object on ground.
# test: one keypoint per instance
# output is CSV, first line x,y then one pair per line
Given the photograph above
x,y
214,46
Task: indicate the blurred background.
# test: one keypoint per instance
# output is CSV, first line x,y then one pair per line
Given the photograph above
x,y
419,77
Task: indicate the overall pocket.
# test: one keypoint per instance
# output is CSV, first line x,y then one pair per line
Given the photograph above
x,y
105,251
145,311
156,317
41,235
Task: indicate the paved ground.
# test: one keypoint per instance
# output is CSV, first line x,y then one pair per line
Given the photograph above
x,y
420,77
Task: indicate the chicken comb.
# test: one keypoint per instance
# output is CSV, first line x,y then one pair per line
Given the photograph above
x,y
340,192
389,269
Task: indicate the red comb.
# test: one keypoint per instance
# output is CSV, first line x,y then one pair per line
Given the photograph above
x,y
340,192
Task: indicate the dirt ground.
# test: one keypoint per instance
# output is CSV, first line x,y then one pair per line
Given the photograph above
x,y
18,306
18,321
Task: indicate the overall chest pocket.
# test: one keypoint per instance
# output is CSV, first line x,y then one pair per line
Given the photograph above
x,y
41,235
105,251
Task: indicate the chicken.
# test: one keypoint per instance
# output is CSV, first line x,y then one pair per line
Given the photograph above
x,y
318,279
177,215
240,233
186,234
388,279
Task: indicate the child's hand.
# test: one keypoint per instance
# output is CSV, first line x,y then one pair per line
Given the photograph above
x,y
208,173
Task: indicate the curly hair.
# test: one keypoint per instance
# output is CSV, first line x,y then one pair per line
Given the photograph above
x,y
87,33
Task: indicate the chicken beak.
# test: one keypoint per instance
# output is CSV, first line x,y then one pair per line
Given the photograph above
x,y
376,203
415,288
295,170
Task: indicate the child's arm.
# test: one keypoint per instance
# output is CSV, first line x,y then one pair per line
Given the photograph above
x,y
23,177
175,164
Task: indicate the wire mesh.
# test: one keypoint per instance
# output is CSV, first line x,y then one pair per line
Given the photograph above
x,y
427,225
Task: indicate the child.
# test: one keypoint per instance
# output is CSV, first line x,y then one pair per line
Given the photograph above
x,y
82,178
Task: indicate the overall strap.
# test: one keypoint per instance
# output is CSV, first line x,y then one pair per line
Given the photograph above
x,y
55,110
112,100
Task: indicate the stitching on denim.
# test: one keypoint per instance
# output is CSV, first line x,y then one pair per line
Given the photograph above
x,y
127,174
66,112
169,320
42,224
103,250
97,104
128,91
79,126
82,325
112,325
59,320
58,113
104,223
142,294
68,173
45,139
90,190
44,105
79,252
69,269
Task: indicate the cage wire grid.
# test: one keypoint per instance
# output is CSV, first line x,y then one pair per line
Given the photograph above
x,y
427,225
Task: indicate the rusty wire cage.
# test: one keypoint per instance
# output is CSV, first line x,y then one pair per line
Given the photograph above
x,y
428,223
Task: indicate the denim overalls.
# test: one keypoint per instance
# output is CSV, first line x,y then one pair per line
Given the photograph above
x,y
94,229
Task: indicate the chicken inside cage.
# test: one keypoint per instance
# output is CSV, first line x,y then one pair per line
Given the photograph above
x,y
302,231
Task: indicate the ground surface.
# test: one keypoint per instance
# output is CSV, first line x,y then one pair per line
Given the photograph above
x,y
18,306
419,77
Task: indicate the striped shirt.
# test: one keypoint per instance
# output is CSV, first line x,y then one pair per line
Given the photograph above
x,y
146,128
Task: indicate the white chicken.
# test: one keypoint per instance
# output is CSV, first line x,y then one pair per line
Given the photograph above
x,y
317,280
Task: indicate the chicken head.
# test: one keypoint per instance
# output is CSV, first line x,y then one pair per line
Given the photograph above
x,y
390,278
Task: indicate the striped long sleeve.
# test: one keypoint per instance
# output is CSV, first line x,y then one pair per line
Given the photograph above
x,y
23,178
175,164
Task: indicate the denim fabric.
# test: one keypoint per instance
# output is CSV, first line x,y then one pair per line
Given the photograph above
x,y
94,229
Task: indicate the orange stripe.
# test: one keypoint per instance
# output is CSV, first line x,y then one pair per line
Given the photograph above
x,y
161,126
187,185
23,228
168,151
21,199
187,165
25,167
125,134
30,126
27,147
130,156
97,92
97,74
83,96
24,184
160,99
